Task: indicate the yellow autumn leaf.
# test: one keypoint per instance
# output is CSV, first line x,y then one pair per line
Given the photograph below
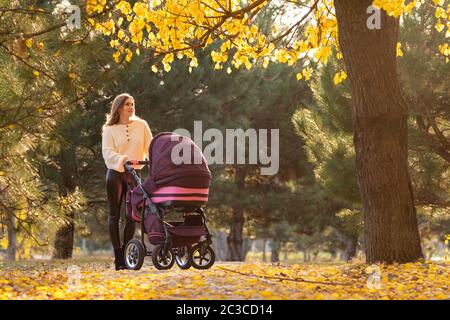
x,y
307,73
128,55
29,42
167,67
399,50
339,77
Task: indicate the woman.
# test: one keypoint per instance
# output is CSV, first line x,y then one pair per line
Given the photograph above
x,y
125,137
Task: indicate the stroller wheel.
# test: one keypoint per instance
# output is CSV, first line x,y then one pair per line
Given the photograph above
x,y
182,257
134,254
202,257
162,261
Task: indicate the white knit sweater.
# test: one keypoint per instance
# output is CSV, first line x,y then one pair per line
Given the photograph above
x,y
121,142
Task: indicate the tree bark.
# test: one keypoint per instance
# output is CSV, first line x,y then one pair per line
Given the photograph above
x,y
275,256
236,237
12,237
64,238
305,255
63,244
380,123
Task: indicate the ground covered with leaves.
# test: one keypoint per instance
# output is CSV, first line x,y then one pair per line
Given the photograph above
x,y
85,279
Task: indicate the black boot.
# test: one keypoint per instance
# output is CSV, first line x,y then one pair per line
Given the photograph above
x,y
119,261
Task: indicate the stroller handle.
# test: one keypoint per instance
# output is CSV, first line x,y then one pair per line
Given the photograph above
x,y
128,164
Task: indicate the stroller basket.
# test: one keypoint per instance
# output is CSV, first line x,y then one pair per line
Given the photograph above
x,y
181,235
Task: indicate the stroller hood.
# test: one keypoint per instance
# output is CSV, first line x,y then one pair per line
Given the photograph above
x,y
166,151
181,178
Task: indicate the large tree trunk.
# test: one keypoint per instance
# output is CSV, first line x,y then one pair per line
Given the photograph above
x,y
65,234
236,237
380,123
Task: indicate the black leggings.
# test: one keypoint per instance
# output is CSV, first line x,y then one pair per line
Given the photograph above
x,y
116,188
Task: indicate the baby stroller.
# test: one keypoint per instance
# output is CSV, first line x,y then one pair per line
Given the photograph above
x,y
170,188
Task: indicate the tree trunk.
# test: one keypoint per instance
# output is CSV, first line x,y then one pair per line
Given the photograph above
x,y
333,253
64,238
275,256
236,237
12,237
305,255
65,234
380,123
264,259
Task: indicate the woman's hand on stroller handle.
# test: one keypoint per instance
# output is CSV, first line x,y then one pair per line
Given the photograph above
x,y
135,162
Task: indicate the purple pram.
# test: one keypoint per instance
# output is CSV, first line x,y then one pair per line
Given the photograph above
x,y
171,187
